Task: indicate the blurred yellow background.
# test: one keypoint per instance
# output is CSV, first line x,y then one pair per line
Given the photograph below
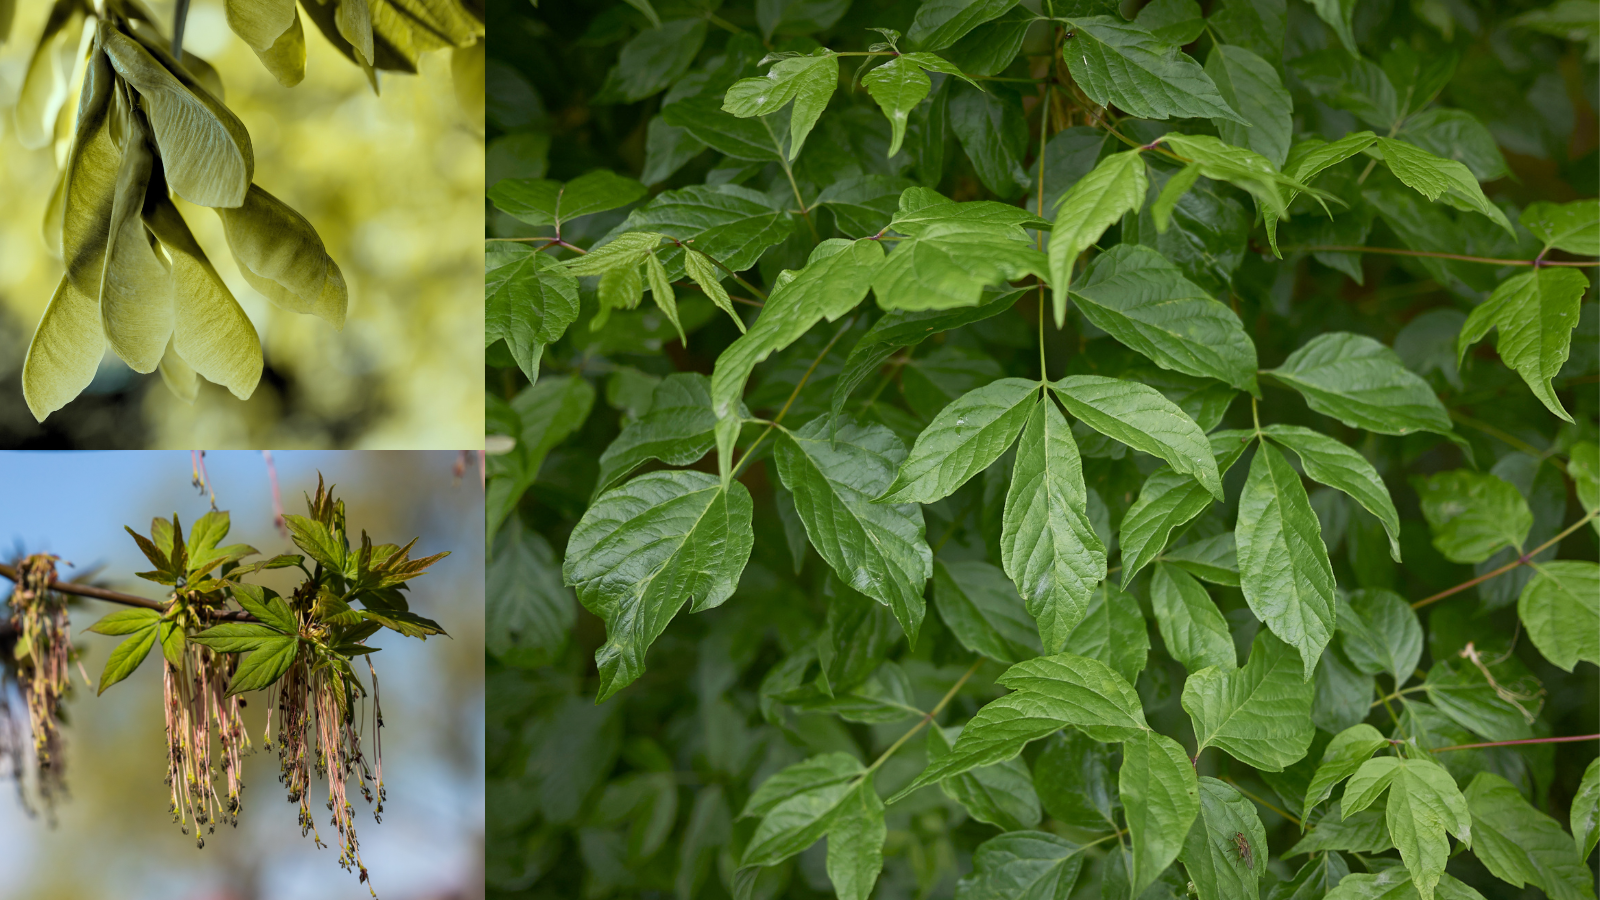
x,y
392,183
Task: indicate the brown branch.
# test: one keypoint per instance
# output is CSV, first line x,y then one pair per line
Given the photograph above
x,y
1549,740
1522,560
1432,255
110,596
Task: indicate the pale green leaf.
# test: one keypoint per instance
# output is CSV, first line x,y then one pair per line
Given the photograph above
x,y
1473,514
643,550
1167,500
983,610
265,665
1423,804
855,843
1363,384
1346,753
1088,694
1023,865
797,805
1573,227
877,549
1434,177
1120,64
731,224
1048,545
1522,845
949,263
1261,713
1192,628
1161,798
1139,416
1535,313
1379,631
1134,294
1560,608
807,80
126,621
1225,852
1336,465
1097,201
965,438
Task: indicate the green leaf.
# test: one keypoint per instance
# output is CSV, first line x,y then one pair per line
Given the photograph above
x,y
1423,804
265,665
1001,795
1283,564
543,202
1192,628
1075,777
1437,178
807,80
1048,546
310,535
878,549
1310,158
855,843
238,637
1314,880
1139,416
1346,81
1225,852
1473,514
1134,294
1379,631
1167,500
528,303
1260,714
1522,845
1397,884
1585,815
1097,201
965,438
265,604
1346,753
1092,696
644,549
702,117
1173,21
983,610
922,209
941,23
1023,865
897,86
797,806
1214,559
1334,464
128,655
1120,64
1457,134
1245,169
834,280
1363,384
1464,695
1338,14
653,59
864,205
733,225
1535,313
528,613
126,621
1363,832
1560,608
541,417
1573,227
677,430
1113,631
993,131
1161,797
1583,465
948,264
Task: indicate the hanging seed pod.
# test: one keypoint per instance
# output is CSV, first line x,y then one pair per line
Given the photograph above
x,y
136,279
272,29
42,653
49,75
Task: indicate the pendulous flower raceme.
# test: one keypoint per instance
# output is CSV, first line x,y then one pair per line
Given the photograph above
x,y
148,128
297,648
38,661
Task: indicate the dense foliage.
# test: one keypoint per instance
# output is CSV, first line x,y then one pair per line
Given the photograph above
x,y
1203,503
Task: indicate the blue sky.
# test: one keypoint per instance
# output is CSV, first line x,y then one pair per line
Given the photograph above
x,y
74,504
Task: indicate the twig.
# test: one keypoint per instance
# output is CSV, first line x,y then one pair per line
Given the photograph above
x,y
1432,255
1522,560
1549,740
277,499
110,596
1241,790
926,718
792,395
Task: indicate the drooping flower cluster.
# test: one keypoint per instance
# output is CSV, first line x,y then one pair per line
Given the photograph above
x,y
196,700
42,654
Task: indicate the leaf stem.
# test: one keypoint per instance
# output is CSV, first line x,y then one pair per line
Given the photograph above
x,y
1521,560
792,395
1393,251
1510,440
1548,740
1385,700
1240,789
110,596
1044,135
719,264
805,211
926,718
